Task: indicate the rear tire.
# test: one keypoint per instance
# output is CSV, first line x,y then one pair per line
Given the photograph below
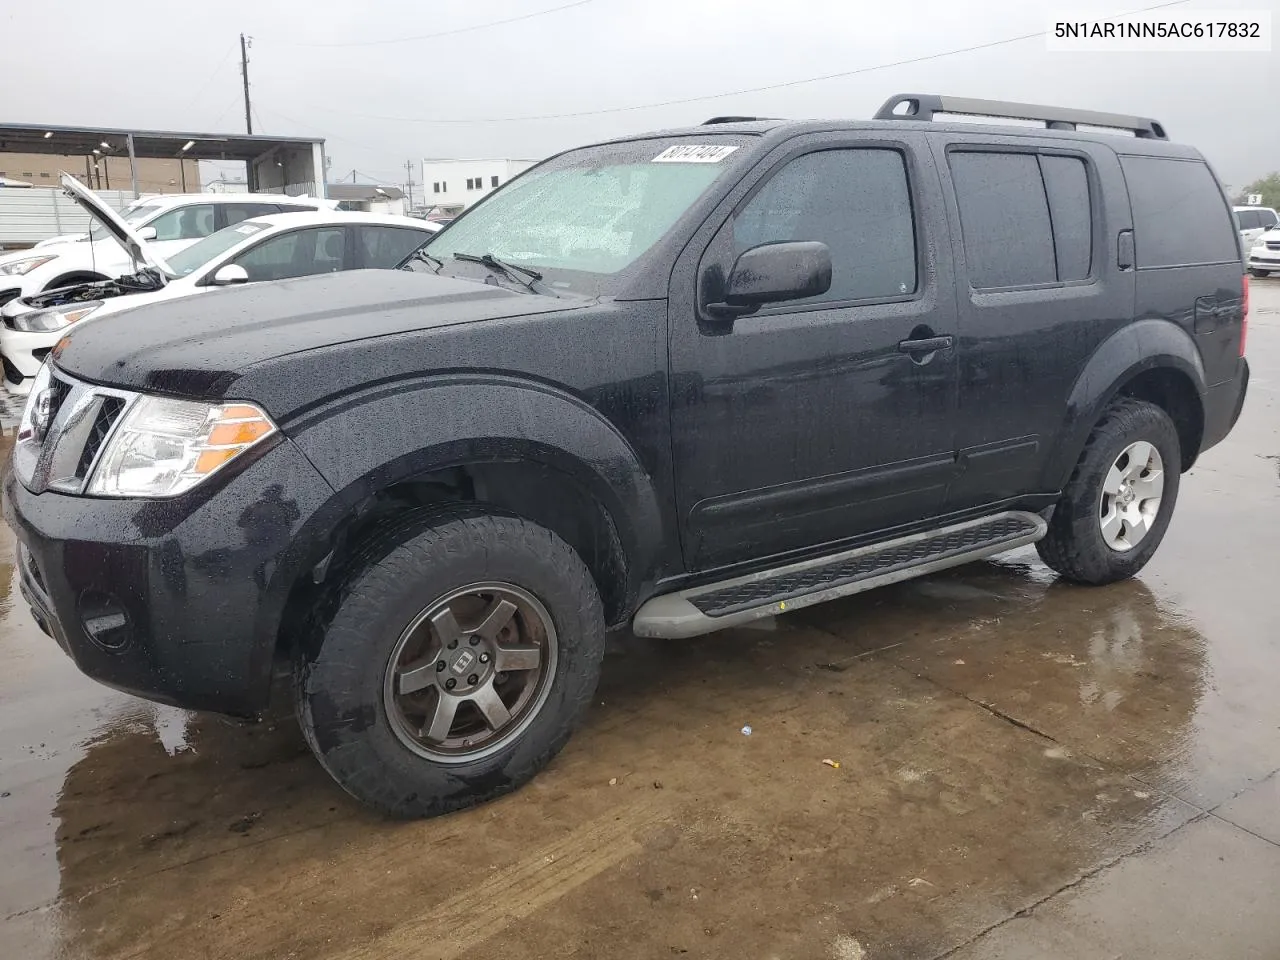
x,y
451,599
1114,510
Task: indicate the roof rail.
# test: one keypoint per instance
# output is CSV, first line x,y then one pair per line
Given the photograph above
x,y
922,106
707,123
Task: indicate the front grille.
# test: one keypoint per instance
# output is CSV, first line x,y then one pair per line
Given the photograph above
x,y
71,423
102,424
1273,244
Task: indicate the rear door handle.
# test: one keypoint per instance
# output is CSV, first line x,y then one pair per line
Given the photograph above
x,y
926,345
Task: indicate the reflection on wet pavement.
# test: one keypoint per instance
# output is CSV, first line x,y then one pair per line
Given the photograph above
x,y
1027,769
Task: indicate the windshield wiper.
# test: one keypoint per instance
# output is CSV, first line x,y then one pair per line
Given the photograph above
x,y
421,254
511,270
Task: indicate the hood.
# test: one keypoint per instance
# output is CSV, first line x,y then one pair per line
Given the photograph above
x,y
133,244
198,347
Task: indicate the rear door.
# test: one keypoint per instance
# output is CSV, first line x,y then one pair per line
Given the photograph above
x,y
229,214
1036,228
385,248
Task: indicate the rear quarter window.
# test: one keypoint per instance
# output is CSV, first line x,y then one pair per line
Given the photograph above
x,y
1179,214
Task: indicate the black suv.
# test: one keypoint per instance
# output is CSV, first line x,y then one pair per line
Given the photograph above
x,y
676,381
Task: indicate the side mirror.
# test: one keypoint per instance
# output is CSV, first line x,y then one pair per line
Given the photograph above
x,y
146,233
231,273
775,272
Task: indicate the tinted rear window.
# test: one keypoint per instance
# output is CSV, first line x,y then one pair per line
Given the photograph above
x,y
1067,186
1004,216
1179,216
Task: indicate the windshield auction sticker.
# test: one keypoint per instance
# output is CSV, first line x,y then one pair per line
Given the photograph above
x,y
694,153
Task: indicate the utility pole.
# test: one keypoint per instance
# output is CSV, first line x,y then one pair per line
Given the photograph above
x,y
244,72
408,169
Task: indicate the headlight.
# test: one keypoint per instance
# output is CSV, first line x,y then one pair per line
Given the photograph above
x,y
18,268
55,318
165,447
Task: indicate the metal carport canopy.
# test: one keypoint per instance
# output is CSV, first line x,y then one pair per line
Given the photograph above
x,y
164,144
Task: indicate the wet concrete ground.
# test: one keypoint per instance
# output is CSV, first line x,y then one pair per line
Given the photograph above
x,y
1027,770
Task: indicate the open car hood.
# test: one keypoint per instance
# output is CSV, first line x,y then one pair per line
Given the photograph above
x,y
114,223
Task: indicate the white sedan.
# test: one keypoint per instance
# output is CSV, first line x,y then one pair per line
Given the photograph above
x,y
276,247
168,223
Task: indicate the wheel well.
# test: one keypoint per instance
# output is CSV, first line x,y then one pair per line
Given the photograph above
x,y
79,276
531,491
1173,391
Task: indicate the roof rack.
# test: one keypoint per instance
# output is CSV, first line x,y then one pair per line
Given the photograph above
x,y
922,106
707,123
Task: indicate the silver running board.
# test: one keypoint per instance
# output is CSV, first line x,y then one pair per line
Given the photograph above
x,y
728,603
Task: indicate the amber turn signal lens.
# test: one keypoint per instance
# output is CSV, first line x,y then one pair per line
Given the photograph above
x,y
229,434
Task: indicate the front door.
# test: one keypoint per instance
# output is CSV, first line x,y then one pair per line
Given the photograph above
x,y
816,420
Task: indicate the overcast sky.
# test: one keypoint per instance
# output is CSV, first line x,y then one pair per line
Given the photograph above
x,y
176,66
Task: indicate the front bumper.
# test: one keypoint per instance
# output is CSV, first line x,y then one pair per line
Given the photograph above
x,y
181,600
1270,260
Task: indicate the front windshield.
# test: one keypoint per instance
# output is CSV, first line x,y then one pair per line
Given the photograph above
x,y
188,261
133,216
590,213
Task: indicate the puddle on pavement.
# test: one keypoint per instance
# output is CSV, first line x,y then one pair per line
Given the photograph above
x,y
999,734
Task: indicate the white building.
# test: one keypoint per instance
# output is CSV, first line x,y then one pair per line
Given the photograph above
x,y
450,186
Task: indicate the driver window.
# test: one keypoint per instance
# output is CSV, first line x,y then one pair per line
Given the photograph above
x,y
301,253
185,223
858,203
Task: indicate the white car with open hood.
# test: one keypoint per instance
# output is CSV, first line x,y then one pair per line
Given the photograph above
x,y
169,222
276,247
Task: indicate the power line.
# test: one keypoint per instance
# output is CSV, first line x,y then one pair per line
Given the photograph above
x,y
204,87
446,33
732,93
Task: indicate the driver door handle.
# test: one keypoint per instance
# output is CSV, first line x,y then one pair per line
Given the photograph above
x,y
926,345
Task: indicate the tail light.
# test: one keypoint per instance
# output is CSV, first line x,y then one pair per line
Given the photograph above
x,y
1244,314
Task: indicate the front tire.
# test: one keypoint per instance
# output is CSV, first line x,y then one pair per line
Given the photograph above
x,y
1116,507
458,660
1260,273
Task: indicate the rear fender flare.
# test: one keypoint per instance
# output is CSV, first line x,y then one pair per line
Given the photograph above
x,y
1144,345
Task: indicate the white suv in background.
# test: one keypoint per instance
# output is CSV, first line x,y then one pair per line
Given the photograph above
x,y
1253,222
168,223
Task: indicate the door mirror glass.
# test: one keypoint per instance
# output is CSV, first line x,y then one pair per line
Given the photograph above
x,y
230,274
146,233
774,272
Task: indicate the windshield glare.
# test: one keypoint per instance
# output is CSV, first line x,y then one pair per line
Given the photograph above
x,y
593,212
133,216
188,261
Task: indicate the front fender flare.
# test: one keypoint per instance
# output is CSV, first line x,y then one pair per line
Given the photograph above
x,y
390,433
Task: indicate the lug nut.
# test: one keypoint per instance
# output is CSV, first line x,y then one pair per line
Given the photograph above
x,y
474,641
450,683
439,666
473,680
484,658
